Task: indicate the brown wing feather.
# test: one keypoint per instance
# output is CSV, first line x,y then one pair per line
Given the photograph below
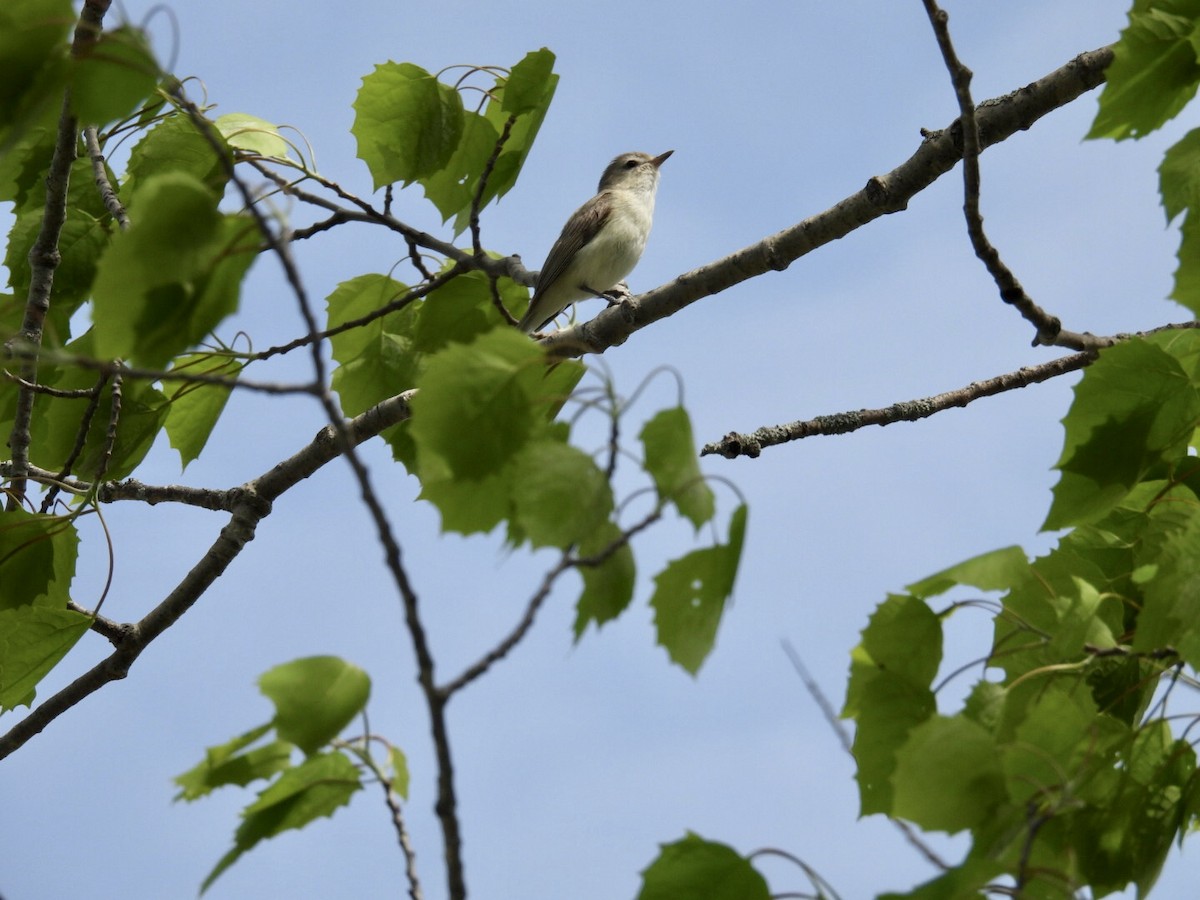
x,y
581,229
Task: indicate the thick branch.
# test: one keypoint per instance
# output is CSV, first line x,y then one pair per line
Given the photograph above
x,y
998,120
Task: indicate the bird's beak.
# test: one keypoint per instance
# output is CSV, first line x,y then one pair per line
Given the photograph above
x,y
662,158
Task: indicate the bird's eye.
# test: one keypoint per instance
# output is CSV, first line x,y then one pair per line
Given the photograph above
x,y
631,163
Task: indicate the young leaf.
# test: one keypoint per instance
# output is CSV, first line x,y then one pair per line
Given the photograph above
x,y
195,407
304,793
407,123
1154,72
992,571
225,764
315,698
671,460
174,146
697,868
690,594
1134,408
252,134
32,641
530,84
398,763
113,77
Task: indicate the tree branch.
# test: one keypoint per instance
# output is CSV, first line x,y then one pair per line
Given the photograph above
x,y
44,255
997,119
734,444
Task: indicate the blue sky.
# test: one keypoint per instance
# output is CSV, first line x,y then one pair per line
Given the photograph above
x,y
575,762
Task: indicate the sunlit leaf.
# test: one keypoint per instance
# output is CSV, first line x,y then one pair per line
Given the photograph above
x,y
315,698
705,870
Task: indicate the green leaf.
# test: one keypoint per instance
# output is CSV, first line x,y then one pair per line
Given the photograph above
x,y
562,496
33,51
315,698
888,695
992,571
452,188
195,407
1170,615
398,763
1134,408
948,776
474,411
1186,289
959,883
81,243
252,134
608,586
1154,72
302,794
461,310
699,869
1056,737
530,84
174,147
671,460
690,594
469,507
517,105
26,556
376,360
225,764
174,276
407,123
1179,175
113,76
32,641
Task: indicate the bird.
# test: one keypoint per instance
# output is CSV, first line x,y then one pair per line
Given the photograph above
x,y
601,242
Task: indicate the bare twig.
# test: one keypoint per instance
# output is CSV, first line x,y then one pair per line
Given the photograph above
x,y
514,637
997,120
735,444
1048,327
100,172
489,166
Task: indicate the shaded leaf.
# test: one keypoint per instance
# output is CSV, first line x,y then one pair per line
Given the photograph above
x,y
194,408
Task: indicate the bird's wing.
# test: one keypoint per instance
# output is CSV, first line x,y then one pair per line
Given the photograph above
x,y
580,230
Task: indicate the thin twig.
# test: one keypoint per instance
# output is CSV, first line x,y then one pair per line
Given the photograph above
x,y
81,433
735,444
488,167
100,172
446,806
1048,327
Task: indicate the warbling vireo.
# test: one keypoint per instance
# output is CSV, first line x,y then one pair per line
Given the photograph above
x,y
601,242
